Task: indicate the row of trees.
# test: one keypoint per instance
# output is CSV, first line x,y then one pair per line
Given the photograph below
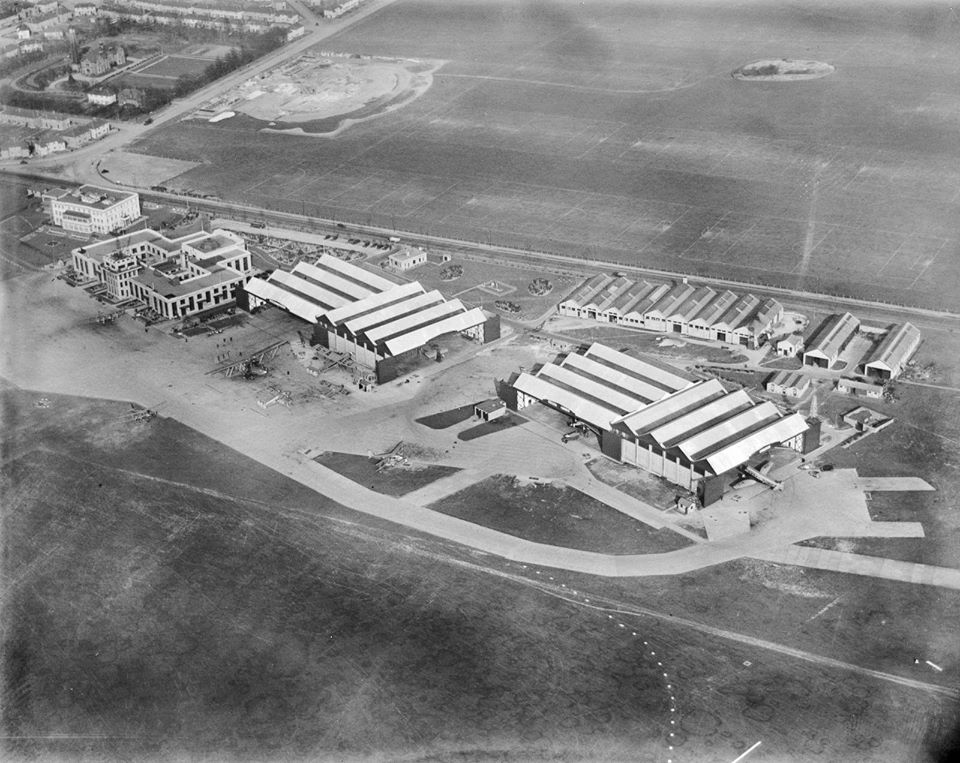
x,y
251,48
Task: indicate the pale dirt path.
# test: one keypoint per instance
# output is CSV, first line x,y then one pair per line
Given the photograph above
x,y
49,345
857,564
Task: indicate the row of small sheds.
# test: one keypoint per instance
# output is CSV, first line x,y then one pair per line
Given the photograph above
x,y
683,308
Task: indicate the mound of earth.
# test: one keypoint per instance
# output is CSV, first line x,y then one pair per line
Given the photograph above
x,y
777,69
318,94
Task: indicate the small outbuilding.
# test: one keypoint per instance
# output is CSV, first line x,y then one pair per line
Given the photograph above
x,y
407,259
790,347
859,388
788,383
490,410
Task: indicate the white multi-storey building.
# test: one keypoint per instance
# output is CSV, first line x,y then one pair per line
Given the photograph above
x,y
89,209
173,277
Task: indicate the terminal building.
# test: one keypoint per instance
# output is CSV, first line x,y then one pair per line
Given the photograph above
x,y
89,209
384,326
682,308
693,433
176,278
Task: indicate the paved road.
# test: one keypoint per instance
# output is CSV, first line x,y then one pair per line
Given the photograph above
x,y
856,564
83,161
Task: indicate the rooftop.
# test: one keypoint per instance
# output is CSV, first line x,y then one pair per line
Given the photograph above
x,y
170,287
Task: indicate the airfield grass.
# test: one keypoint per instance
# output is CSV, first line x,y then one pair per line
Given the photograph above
x,y
924,441
616,133
556,515
169,597
392,480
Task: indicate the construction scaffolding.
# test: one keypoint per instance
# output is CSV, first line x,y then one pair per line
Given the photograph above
x,y
243,365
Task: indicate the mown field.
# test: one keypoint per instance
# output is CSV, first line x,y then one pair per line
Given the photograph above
x,y
608,130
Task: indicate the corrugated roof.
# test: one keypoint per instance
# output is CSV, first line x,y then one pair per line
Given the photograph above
x,y
588,289
580,406
789,379
612,291
648,300
768,311
668,380
672,406
669,301
265,290
739,313
741,451
717,307
374,302
896,348
690,308
632,296
643,391
832,335
333,280
323,298
706,441
701,418
419,337
389,313
413,321
327,263
612,398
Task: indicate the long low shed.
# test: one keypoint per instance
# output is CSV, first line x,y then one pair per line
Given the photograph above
x,y
681,308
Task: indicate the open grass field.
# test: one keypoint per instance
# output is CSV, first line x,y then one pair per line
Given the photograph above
x,y
167,597
396,481
557,515
924,441
608,130
164,71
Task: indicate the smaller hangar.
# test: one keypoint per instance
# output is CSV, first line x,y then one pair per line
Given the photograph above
x,y
891,356
831,337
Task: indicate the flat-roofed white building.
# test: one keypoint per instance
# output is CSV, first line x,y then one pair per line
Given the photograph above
x,y
89,209
891,356
790,347
174,277
406,259
692,433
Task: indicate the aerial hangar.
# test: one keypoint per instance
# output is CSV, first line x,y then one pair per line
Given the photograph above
x,y
382,325
693,433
